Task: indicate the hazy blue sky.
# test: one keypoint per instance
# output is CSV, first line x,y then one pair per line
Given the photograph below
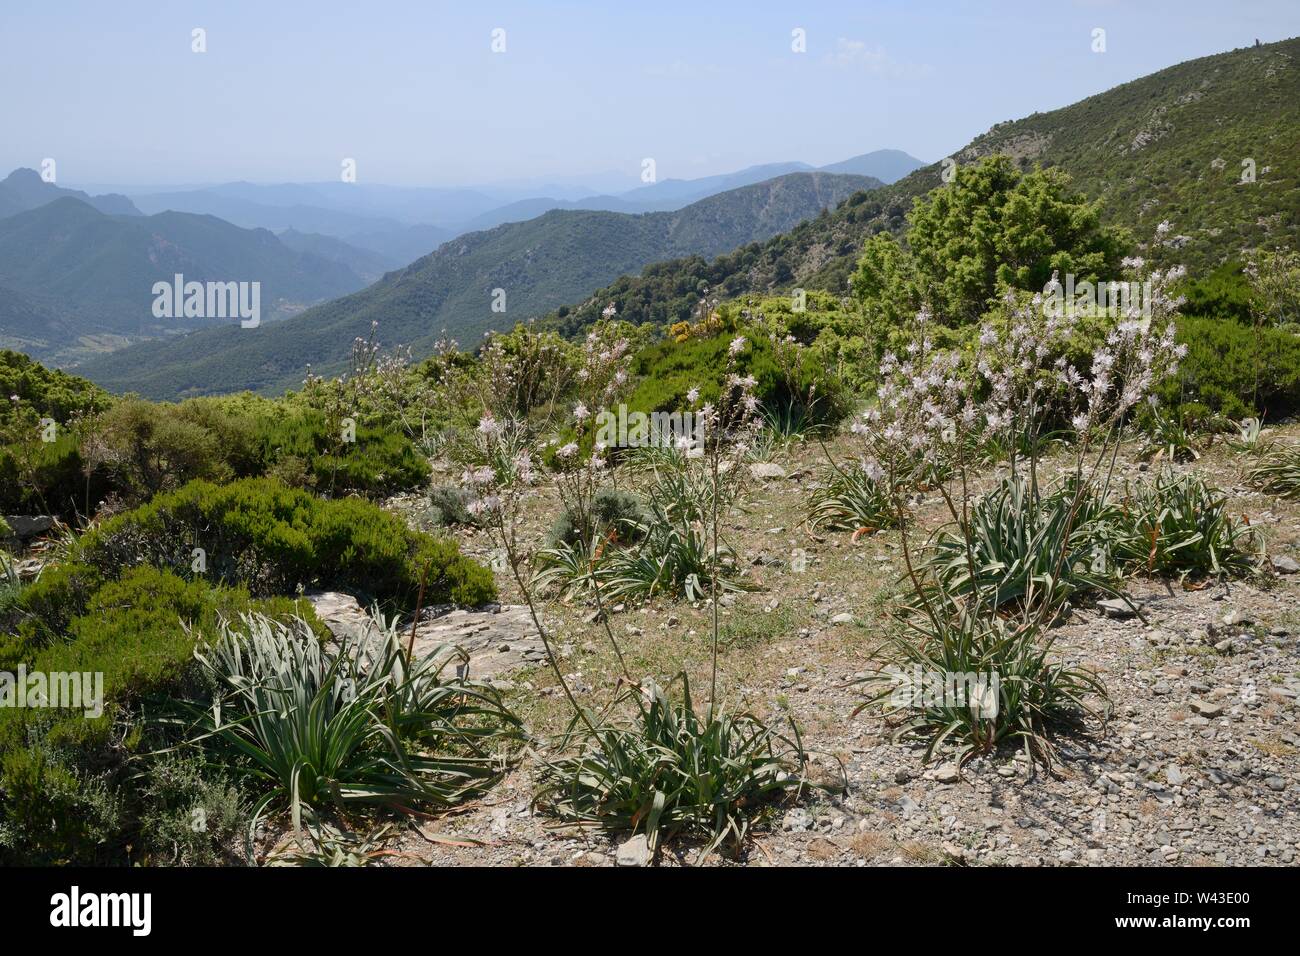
x,y
413,92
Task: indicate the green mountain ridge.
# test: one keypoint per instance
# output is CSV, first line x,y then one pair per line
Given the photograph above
x,y
24,189
1167,146
540,264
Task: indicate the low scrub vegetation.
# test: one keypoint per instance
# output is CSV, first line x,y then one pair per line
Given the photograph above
x,y
1277,472
276,540
1177,525
670,770
309,727
69,776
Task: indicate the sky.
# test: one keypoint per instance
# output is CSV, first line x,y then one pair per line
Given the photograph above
x,y
416,95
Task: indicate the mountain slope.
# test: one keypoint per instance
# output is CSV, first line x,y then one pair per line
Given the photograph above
x,y
1166,146
540,264
86,279
23,189
366,263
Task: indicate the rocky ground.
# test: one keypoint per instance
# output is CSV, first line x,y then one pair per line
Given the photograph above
x,y
1199,764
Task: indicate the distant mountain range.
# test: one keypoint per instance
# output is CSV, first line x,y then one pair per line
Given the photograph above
x,y
401,224
62,301
75,281
539,263
24,189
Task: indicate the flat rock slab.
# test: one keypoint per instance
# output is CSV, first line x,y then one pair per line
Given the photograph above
x,y
498,638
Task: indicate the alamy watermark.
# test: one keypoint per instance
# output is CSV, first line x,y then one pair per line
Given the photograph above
x,y
61,690
208,300
927,688
133,911
1090,299
683,431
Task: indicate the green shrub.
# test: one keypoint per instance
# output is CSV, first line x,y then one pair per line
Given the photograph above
x,y
191,815
1011,688
1237,370
49,478
615,514
378,462
155,447
1177,524
449,505
137,449
45,610
275,539
49,393
51,811
671,771
68,790
670,369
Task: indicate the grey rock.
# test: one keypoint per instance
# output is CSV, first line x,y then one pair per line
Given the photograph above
x,y
947,773
766,471
844,618
1283,564
634,851
1206,709
29,526
1116,608
498,640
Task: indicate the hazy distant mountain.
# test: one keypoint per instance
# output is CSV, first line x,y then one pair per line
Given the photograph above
x,y
887,165
400,223
248,214
24,189
400,243
409,204
539,264
688,190
367,264
75,281
526,209
332,208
